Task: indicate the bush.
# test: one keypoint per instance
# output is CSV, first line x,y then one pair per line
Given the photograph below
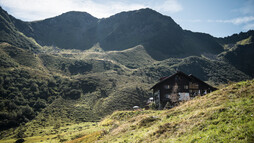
x,y
73,94
40,103
34,87
51,83
152,106
28,112
12,106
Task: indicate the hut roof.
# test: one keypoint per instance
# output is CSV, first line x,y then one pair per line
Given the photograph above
x,y
190,77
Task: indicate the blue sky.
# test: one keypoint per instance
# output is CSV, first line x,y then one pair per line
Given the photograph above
x,y
219,18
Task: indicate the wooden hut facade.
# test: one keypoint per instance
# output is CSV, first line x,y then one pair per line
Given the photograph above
x,y
169,91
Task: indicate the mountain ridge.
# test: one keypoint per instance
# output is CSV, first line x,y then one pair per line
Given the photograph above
x,y
10,34
159,34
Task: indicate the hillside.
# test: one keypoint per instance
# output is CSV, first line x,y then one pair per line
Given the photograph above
x,y
160,35
34,82
211,118
9,33
51,91
225,115
71,87
240,54
235,37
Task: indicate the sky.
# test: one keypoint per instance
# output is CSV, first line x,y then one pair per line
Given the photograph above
x,y
219,18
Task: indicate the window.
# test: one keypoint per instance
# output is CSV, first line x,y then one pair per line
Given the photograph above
x,y
184,96
156,93
167,86
156,96
193,85
176,78
167,95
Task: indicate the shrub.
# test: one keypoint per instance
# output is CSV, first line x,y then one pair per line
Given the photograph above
x,y
152,106
28,112
73,94
34,87
40,103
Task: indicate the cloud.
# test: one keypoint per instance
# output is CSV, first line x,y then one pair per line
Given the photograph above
x,y
236,21
41,9
36,9
246,22
171,6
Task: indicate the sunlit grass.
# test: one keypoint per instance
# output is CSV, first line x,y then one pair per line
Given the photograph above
x,y
223,116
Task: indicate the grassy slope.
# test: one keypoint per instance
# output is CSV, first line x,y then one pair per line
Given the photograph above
x,y
213,71
106,82
131,58
102,83
240,55
225,115
9,33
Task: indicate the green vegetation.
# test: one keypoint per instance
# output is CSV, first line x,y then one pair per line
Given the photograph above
x,y
240,55
9,33
225,115
59,94
42,85
48,88
235,37
160,36
213,71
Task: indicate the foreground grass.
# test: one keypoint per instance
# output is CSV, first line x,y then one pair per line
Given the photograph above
x,y
222,116
62,134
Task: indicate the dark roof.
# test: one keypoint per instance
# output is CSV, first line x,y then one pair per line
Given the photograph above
x,y
177,73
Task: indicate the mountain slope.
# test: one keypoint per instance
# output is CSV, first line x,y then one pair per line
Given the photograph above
x,y
69,30
160,35
205,119
210,118
235,37
49,86
132,58
213,71
225,115
10,34
240,55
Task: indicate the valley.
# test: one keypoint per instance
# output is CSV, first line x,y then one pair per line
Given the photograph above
x,y
71,78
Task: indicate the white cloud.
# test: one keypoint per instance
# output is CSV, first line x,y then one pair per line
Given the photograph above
x,y
242,20
236,21
171,6
41,9
246,22
36,9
